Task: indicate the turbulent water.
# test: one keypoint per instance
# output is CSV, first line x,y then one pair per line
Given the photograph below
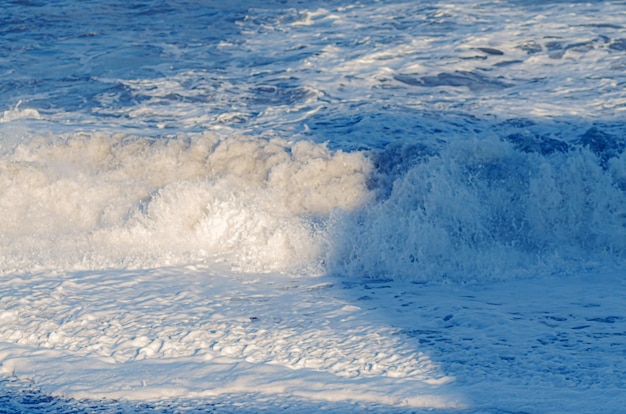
x,y
391,139
461,142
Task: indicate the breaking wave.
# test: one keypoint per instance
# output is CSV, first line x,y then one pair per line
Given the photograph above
x,y
90,201
490,209
466,210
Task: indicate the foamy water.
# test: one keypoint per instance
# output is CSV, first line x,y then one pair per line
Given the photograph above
x,y
506,208
290,199
94,201
262,126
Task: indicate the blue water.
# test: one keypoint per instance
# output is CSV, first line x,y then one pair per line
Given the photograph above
x,y
491,132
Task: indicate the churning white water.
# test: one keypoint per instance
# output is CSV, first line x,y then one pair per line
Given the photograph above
x,y
374,206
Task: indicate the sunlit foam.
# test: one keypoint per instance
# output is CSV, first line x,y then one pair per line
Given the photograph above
x,y
93,200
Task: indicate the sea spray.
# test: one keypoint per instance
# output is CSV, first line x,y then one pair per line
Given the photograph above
x,y
90,201
479,210
467,210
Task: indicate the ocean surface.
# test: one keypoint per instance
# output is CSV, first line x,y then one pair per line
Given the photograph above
x,y
170,171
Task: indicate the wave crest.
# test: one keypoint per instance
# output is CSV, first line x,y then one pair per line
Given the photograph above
x,y
484,210
93,200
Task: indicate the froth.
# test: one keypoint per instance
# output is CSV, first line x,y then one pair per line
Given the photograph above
x,y
466,210
93,200
484,210
17,113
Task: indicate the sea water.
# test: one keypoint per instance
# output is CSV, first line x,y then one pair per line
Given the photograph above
x,y
454,143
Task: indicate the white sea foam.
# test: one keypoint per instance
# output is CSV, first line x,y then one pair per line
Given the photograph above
x,y
466,143
17,113
192,333
485,210
92,201
506,208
